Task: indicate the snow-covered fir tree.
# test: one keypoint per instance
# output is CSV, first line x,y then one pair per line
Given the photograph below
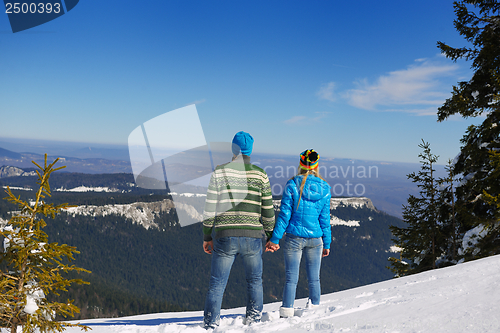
x,y
421,242
32,268
489,244
478,21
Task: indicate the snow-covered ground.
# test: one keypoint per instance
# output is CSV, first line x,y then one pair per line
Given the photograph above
x,y
18,188
462,298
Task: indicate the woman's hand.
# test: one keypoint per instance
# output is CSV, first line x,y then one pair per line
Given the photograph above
x,y
326,252
271,247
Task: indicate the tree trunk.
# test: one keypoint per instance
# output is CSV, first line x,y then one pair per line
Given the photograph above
x,y
13,326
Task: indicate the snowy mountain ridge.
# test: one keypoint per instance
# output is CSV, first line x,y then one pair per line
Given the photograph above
x,y
11,171
139,212
356,202
144,213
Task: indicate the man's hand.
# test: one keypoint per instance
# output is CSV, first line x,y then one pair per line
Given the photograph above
x,y
208,246
271,247
326,252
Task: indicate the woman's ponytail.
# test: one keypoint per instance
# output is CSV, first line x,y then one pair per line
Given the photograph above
x,y
309,160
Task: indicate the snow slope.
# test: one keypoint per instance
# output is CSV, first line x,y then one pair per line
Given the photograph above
x,y
462,298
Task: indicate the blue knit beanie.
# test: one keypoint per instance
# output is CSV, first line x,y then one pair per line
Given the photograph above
x,y
243,142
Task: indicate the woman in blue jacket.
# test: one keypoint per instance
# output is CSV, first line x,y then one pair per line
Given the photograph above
x,y
305,220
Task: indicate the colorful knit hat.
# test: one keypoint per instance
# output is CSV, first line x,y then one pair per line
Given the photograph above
x,y
309,159
243,142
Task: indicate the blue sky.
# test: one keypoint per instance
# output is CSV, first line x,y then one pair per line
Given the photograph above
x,y
351,79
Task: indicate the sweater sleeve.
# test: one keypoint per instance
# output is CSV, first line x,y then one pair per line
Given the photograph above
x,y
285,214
210,211
324,222
267,209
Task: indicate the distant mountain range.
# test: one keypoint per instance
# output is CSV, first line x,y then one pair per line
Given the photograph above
x,y
385,183
68,149
9,154
73,164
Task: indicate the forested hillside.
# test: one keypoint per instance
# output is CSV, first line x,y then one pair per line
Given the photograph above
x,y
138,270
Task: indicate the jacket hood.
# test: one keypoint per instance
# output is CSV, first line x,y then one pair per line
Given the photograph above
x,y
314,188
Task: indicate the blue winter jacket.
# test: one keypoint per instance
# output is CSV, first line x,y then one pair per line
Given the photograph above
x,y
312,218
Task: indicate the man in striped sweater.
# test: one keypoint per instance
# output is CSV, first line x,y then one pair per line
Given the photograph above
x,y
238,212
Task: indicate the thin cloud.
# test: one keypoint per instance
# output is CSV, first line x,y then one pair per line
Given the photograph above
x,y
430,111
320,115
418,89
198,101
294,120
327,92
298,119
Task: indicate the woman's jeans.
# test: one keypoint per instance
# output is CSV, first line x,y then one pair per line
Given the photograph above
x,y
225,251
294,247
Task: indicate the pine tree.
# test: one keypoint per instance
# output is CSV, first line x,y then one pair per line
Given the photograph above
x,y
489,244
421,241
476,215
479,22
447,217
32,267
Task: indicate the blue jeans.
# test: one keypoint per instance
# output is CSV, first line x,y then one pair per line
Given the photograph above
x,y
294,247
225,251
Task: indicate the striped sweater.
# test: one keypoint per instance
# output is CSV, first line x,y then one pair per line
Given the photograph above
x,y
239,201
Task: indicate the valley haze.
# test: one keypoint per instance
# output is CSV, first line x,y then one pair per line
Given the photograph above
x,y
385,183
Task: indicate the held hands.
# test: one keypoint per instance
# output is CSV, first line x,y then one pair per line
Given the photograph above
x,y
271,247
208,246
